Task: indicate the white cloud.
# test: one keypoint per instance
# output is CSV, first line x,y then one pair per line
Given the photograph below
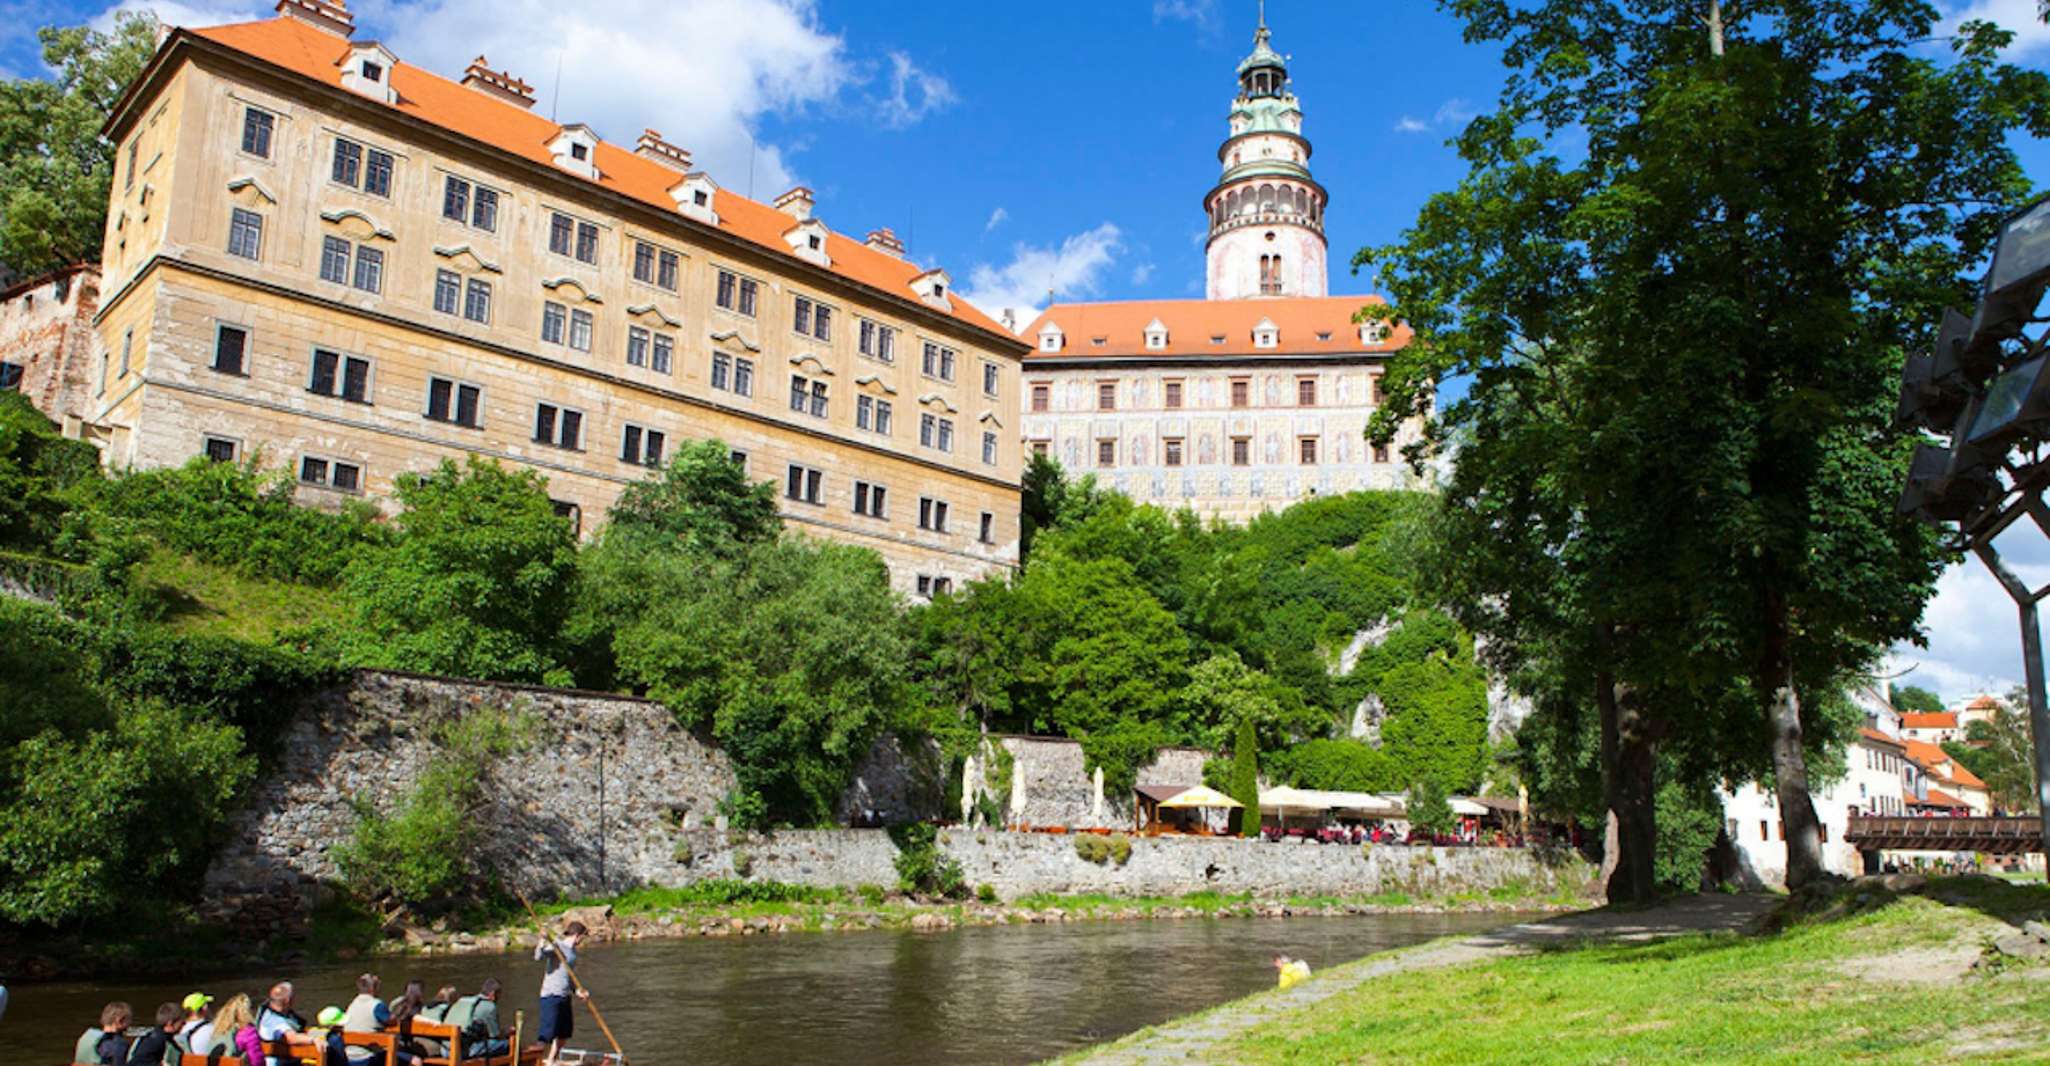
x,y
996,218
2021,16
703,72
1072,269
1450,114
1974,628
1201,12
914,93
180,13
1142,273
1406,124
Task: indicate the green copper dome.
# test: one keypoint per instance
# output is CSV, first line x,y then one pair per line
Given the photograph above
x,y
1263,54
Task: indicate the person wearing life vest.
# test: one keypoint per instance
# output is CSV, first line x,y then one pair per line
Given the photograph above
x,y
476,1018
1291,972
369,1014
196,1031
107,1042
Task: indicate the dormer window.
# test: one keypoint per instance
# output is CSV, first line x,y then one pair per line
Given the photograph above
x,y
1266,334
815,242
693,196
1372,332
1156,335
931,287
573,149
1050,338
366,71
807,241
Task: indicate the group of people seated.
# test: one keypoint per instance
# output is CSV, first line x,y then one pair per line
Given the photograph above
x,y
251,1031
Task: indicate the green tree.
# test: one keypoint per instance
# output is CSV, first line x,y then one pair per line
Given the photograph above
x,y
702,500
1245,776
1914,698
477,583
1797,154
1998,750
1223,690
56,171
1428,808
791,653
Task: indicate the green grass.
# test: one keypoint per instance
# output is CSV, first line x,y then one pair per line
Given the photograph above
x,y
1825,990
209,600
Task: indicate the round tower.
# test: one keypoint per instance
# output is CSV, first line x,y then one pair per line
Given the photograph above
x,y
1266,212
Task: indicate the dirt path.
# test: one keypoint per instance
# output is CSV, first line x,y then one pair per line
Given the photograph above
x,y
1195,1039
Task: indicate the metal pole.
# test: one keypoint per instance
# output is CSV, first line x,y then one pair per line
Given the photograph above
x,y
2032,666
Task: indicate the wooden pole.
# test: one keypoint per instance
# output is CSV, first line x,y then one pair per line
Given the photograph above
x,y
574,980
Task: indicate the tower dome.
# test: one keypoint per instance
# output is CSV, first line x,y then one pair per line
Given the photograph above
x,y
1266,212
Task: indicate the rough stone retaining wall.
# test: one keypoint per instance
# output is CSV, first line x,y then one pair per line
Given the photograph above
x,y
612,793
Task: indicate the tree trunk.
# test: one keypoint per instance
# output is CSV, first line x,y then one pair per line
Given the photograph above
x,y
1715,28
1627,774
1789,764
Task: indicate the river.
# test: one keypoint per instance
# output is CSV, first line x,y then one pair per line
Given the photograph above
x,y
996,995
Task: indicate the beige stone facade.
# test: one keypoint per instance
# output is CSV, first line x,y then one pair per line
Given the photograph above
x,y
371,328
48,350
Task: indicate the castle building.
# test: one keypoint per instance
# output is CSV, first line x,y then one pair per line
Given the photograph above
x,y
1252,398
329,259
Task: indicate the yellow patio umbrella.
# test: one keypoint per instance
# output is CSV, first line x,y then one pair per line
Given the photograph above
x,y
1201,796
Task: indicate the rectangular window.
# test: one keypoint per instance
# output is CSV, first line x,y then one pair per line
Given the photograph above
x,y
1106,453
932,514
1172,390
989,449
369,270
220,449
1241,451
231,345
377,168
1040,395
989,379
477,301
245,234
1106,396
1307,447
946,443
1380,453
1374,387
936,432
641,445
561,233
560,426
727,285
1171,452
722,371
587,242
988,530
1241,392
553,315
334,260
804,484
580,330
939,361
448,291
1306,392
869,499
454,402
800,315
748,289
636,346
345,377
1042,447
865,412
134,147
744,377
344,477
800,392
818,399
256,130
644,262
878,341
665,353
484,213
929,586
455,199
822,323
667,267
348,163
313,471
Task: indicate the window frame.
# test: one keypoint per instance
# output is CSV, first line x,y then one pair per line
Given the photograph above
x,y
555,437
270,132
242,220
992,379
804,484
241,358
208,440
1042,397
932,514
872,500
454,292
329,466
992,449
454,415
343,358
644,453
876,340
948,359
1172,451
471,288
582,325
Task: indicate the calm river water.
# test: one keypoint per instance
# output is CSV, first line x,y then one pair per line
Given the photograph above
x,y
1007,994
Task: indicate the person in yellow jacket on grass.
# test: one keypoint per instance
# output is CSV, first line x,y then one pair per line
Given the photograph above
x,y
1292,972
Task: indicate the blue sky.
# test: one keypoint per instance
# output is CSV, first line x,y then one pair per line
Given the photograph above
x,y
1061,144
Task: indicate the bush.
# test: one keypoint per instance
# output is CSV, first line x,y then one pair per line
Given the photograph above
x,y
921,867
1337,765
986,893
1428,808
1098,849
243,517
1245,778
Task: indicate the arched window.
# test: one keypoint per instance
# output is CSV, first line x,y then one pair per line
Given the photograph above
x,y
1270,275
1266,199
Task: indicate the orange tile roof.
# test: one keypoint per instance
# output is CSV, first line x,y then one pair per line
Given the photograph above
x,y
1929,720
310,52
1983,703
1929,757
1926,754
1961,776
1191,324
1878,737
1938,799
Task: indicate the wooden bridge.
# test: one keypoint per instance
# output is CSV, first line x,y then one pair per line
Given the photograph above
x,y
1994,836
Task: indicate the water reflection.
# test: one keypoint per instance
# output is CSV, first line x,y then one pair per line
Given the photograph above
x,y
1002,995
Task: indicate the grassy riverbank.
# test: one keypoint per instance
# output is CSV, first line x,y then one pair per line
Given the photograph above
x,y
1866,975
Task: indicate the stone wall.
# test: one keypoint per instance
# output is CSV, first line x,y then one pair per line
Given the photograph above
x,y
48,350
1059,789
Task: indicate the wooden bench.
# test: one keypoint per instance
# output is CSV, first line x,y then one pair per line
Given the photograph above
x,y
419,1028
189,1059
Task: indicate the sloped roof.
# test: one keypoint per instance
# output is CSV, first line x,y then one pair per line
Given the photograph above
x,y
1929,720
1929,757
1938,799
1983,703
1307,325
1876,737
312,53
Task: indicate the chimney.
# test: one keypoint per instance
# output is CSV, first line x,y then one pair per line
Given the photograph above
x,y
651,146
797,203
498,83
331,16
886,242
